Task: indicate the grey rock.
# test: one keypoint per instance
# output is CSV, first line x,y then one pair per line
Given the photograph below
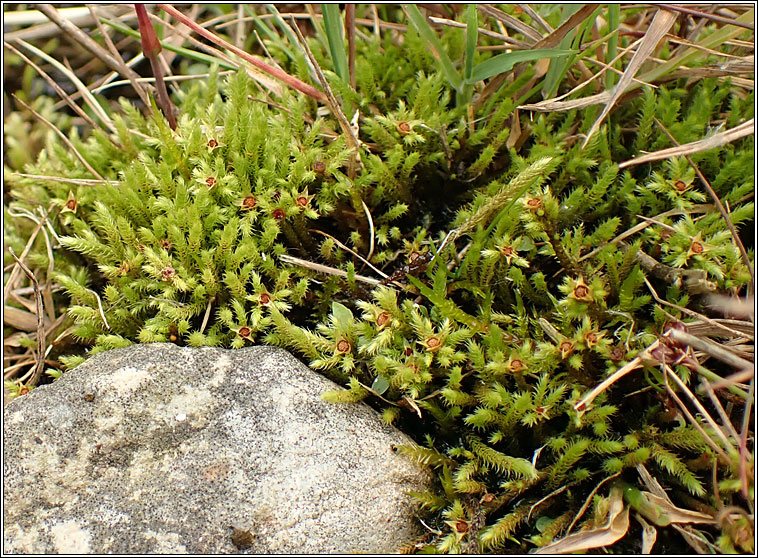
x,y
164,449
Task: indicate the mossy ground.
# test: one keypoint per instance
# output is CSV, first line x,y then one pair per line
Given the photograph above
x,y
522,292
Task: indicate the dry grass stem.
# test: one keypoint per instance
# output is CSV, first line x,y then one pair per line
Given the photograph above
x,y
660,25
263,66
37,374
63,137
114,63
58,89
719,205
326,269
716,140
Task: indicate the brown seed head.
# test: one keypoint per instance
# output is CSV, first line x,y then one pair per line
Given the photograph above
x,y
507,251
249,202
165,244
211,182
71,204
591,338
343,346
278,214
245,332
265,298
319,167
680,186
212,143
408,351
403,127
141,247
302,201
697,247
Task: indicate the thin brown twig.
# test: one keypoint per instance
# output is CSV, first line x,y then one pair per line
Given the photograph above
x,y
37,374
719,205
88,43
62,136
351,139
706,15
58,89
139,88
259,64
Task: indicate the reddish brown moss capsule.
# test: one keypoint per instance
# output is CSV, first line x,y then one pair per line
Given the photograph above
x,y
211,182
408,351
680,186
343,346
461,526
591,339
534,203
302,201
697,247
618,353
581,291
165,244
404,128
264,299
382,319
167,273
212,144
278,214
245,332
124,268
516,365
249,202
23,391
141,247
319,167
566,348
71,204
433,343
507,251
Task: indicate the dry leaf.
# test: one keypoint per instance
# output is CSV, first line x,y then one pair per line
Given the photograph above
x,y
611,531
660,25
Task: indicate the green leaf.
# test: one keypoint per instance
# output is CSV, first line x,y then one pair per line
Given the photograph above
x,y
380,384
472,32
504,62
333,27
433,43
342,314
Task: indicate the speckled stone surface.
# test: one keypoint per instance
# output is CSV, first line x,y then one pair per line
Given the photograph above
x,y
162,449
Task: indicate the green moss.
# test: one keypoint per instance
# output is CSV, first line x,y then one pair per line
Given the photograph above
x,y
487,347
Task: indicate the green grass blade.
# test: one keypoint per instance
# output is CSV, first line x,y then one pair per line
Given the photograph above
x,y
191,54
433,42
472,32
614,16
504,62
335,38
